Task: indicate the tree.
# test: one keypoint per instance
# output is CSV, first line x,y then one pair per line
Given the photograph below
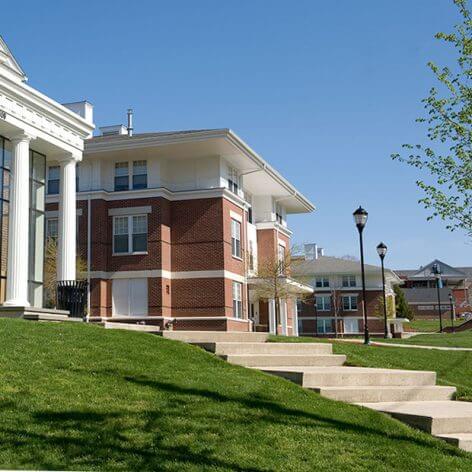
x,y
379,309
448,118
271,280
50,271
401,306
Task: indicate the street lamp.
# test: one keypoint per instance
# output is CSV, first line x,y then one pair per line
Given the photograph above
x,y
360,218
436,271
451,304
382,251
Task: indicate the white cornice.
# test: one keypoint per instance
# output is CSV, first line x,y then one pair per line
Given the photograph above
x,y
274,225
163,192
27,108
136,142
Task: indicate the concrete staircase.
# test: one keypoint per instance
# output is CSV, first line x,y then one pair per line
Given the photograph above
x,y
410,396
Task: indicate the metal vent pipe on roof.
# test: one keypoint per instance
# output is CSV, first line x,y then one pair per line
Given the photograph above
x,y
130,122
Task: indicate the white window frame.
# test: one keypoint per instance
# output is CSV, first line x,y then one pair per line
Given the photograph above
x,y
233,180
236,237
130,219
350,279
325,322
135,174
237,300
323,302
130,174
321,280
48,222
350,298
49,179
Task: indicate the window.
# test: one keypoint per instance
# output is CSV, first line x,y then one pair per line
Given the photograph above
x,y
321,282
233,180
237,300
139,174
235,238
324,326
349,280
278,214
129,234
323,303
52,228
121,176
349,302
351,326
281,258
53,180
251,256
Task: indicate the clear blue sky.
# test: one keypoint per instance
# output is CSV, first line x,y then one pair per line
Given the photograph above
x,y
323,90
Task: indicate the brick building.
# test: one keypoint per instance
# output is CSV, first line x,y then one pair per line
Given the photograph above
x,y
336,304
419,287
172,226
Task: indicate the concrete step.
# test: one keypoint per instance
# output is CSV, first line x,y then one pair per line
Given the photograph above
x,y
435,417
131,327
215,336
281,360
387,393
343,376
267,348
462,440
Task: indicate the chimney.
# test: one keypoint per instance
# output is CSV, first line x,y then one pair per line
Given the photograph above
x,y
311,252
319,252
113,130
130,122
83,109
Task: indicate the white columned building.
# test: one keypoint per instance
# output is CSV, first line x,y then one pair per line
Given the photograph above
x,y
34,129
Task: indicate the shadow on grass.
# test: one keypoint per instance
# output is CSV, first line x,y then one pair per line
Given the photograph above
x,y
152,439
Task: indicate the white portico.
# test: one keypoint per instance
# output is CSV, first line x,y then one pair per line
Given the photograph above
x,y
33,130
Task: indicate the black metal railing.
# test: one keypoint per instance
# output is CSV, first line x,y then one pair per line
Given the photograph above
x,y
72,296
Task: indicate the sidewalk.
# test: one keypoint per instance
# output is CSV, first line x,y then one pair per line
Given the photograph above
x,y
414,346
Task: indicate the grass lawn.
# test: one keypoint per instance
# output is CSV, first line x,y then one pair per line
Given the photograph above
x,y
453,367
459,339
76,396
430,326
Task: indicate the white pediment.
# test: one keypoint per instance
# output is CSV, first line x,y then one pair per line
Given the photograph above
x,y
9,65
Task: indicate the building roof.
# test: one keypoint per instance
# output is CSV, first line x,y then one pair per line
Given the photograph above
x,y
325,265
425,272
426,295
259,176
9,63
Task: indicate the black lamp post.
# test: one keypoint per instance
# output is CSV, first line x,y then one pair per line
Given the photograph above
x,y
451,305
436,270
360,218
382,251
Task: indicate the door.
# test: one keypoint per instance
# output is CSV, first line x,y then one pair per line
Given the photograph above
x,y
351,326
130,297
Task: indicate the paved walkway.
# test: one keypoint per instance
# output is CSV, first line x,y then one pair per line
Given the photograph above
x,y
414,346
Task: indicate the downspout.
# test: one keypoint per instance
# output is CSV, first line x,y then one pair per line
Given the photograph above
x,y
89,255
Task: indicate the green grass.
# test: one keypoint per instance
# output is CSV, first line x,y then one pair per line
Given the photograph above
x,y
429,326
452,367
75,396
459,339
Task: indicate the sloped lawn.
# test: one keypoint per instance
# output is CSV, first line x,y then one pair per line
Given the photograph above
x,y
452,367
459,339
78,397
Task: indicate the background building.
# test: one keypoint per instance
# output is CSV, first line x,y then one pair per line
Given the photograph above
x,y
419,287
335,306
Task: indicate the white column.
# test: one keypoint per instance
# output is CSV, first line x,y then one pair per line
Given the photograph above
x,y
66,252
18,223
283,316
272,327
295,318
